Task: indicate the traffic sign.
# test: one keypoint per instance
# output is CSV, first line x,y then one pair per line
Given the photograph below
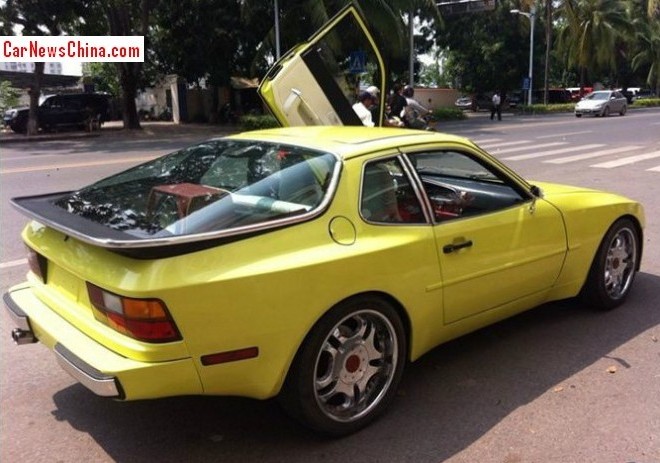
x,y
357,62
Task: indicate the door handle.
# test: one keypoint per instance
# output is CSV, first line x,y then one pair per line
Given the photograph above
x,y
449,248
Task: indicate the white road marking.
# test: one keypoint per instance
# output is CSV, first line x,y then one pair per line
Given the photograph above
x,y
568,134
541,154
509,143
533,147
627,160
13,263
580,157
486,140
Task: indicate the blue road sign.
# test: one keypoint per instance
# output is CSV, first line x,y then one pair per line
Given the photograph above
x,y
358,62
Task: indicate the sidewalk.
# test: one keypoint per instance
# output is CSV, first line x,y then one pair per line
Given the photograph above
x,y
115,130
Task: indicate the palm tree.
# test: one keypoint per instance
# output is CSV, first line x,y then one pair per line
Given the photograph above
x,y
649,54
386,18
590,32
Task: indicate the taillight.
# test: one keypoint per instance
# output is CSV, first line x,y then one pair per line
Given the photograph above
x,y
38,264
142,319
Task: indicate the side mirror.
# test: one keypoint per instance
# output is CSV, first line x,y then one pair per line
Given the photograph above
x,y
537,191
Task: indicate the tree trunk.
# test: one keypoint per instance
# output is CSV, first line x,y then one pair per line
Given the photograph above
x,y
215,103
129,83
548,44
35,92
123,19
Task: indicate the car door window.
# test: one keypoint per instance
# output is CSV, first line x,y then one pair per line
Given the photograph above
x,y
53,103
388,195
458,185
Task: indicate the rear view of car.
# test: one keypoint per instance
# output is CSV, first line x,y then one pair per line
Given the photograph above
x,y
464,102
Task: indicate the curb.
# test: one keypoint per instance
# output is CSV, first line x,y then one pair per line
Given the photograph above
x,y
9,139
116,131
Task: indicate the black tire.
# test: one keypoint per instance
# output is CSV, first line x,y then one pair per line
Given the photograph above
x,y
19,127
578,115
606,111
614,267
348,368
623,110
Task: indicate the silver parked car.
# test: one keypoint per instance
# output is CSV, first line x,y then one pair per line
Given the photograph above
x,y
602,103
463,102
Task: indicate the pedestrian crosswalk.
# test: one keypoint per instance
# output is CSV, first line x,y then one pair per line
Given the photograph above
x,y
596,155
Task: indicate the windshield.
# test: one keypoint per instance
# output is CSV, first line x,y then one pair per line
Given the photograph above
x,y
216,185
598,96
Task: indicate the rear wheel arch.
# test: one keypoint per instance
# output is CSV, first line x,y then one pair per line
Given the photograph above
x,y
386,297
295,394
396,304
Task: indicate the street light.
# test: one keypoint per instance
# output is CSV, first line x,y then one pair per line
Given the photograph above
x,y
531,16
277,30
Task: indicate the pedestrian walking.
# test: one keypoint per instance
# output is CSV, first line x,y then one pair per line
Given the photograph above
x,y
497,107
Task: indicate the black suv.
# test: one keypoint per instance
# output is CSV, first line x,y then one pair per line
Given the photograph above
x,y
84,110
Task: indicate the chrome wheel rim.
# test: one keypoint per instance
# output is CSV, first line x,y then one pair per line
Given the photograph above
x,y
355,365
620,263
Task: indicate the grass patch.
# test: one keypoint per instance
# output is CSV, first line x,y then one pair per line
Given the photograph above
x,y
546,109
646,103
257,122
448,114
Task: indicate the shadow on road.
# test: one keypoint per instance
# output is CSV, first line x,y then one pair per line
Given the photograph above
x,y
112,139
448,400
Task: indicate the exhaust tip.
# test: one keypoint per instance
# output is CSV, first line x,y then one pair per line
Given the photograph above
x,y
21,337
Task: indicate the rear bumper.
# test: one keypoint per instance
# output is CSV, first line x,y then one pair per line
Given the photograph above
x,y
96,367
94,380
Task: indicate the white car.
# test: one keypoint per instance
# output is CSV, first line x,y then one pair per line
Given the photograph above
x,y
602,103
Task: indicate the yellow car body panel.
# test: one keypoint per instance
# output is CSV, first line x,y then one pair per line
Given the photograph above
x,y
587,214
269,290
291,283
141,379
269,266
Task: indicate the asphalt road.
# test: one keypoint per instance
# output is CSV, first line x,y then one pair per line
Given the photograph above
x,y
558,384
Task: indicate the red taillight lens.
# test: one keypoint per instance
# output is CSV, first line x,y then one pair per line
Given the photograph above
x,y
142,319
38,264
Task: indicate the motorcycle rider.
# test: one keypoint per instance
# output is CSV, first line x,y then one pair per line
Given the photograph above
x,y
414,111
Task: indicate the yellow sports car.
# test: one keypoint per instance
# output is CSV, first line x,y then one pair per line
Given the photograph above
x,y
309,263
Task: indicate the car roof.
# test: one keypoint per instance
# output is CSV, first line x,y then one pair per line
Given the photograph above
x,y
350,141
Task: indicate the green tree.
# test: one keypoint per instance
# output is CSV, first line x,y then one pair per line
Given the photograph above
x,y
590,34
8,96
207,39
486,50
104,76
39,17
128,17
387,20
649,54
